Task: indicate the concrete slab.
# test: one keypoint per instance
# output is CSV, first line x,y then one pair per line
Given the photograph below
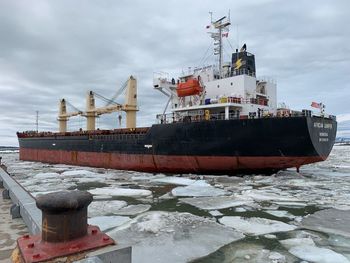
x,y
10,230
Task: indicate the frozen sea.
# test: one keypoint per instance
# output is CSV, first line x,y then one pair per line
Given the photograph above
x,y
286,217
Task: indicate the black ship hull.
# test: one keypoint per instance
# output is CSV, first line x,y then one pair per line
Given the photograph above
x,y
205,147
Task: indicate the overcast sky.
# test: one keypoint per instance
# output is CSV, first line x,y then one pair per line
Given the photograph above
x,y
55,49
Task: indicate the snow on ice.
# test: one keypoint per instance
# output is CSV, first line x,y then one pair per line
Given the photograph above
x,y
316,254
132,210
198,188
216,202
108,222
100,208
121,192
293,242
255,225
172,237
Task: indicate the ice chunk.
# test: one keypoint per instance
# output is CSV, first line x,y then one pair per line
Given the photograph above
x,y
175,180
145,177
108,222
316,254
100,208
215,213
132,210
198,188
172,237
291,204
280,213
249,252
331,221
276,257
240,209
255,225
120,192
293,242
260,195
215,203
152,223
78,172
102,197
270,236
46,175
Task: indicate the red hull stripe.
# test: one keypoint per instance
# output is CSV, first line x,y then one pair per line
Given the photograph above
x,y
164,163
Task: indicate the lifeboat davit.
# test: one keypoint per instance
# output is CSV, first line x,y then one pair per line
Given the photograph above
x,y
189,88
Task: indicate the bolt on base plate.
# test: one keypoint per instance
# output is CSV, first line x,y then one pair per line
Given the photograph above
x,y
33,249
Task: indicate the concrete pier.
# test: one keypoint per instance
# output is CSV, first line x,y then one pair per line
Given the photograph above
x,y
10,229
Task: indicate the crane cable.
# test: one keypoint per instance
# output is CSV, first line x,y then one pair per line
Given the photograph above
x,y
120,91
72,106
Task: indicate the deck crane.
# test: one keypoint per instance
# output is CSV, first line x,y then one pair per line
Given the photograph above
x,y
129,106
63,116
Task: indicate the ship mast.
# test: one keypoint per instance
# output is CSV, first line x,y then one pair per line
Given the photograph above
x,y
222,27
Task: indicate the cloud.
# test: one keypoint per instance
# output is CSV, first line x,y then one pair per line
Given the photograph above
x,y
55,49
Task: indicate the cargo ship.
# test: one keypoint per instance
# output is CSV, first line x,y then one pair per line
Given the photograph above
x,y
219,119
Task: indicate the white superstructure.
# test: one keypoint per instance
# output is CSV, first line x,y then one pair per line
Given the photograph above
x,y
228,91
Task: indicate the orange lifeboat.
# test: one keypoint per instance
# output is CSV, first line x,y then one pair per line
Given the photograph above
x,y
188,88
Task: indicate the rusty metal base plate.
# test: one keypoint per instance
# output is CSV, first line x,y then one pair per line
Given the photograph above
x,y
33,249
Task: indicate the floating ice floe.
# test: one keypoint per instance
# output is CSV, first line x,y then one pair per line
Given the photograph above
x,y
270,236
50,187
248,252
260,196
132,210
215,203
330,221
172,237
276,257
101,208
316,254
280,213
290,204
215,213
175,180
255,225
293,242
46,175
198,188
145,177
240,209
108,222
78,172
121,192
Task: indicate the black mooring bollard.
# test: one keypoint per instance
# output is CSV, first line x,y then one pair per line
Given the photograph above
x,y
65,230
64,215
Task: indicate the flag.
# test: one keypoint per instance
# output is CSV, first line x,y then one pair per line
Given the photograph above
x,y
225,34
316,105
207,27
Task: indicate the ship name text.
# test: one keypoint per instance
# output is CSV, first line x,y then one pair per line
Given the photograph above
x,y
323,125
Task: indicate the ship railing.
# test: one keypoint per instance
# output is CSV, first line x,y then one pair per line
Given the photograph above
x,y
197,117
239,100
173,118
